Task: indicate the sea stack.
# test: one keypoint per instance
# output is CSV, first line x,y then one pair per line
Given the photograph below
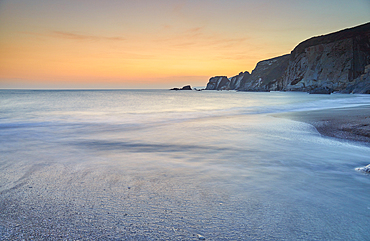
x,y
186,87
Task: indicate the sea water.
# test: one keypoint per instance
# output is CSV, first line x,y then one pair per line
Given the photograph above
x,y
171,165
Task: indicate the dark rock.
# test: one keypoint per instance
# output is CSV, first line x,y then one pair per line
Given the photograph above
x,y
218,83
332,61
201,237
186,87
361,85
264,77
321,90
267,74
238,81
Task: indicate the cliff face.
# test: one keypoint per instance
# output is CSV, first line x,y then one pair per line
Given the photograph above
x,y
264,77
238,81
320,66
329,63
267,75
223,83
360,85
218,83
324,64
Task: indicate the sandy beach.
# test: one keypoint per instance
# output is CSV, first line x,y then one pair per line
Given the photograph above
x,y
352,123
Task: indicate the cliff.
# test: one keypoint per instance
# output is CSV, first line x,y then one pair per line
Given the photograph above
x,y
218,83
267,74
223,83
331,62
336,62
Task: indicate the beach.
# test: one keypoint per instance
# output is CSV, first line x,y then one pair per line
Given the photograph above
x,y
172,165
350,123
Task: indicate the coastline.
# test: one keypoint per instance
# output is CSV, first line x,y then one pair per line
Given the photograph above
x,y
349,123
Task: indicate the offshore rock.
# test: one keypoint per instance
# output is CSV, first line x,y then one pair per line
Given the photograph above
x,y
186,87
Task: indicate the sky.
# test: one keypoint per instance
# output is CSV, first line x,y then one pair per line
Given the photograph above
x,y
155,43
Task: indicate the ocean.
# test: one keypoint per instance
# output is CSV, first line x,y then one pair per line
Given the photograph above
x,y
173,165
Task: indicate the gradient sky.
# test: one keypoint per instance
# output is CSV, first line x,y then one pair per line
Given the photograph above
x,y
157,43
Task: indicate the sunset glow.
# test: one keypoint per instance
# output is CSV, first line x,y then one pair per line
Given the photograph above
x,y
154,44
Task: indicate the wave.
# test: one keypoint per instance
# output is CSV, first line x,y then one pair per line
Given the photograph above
x,y
168,107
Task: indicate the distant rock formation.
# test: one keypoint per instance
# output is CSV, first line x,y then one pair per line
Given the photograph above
x,y
218,83
337,62
267,75
238,81
186,87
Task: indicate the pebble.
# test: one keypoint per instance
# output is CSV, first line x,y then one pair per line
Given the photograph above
x,y
201,237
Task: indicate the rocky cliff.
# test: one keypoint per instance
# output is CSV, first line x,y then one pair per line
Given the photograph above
x,y
218,83
329,63
267,74
264,77
337,62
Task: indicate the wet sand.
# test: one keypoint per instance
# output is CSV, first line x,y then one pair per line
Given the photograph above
x,y
352,123
61,194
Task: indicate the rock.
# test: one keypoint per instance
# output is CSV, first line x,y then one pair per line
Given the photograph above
x,y
321,90
201,237
364,169
267,74
238,81
361,85
218,83
186,87
263,78
336,62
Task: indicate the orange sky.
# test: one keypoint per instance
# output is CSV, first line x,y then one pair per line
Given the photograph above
x,y
154,44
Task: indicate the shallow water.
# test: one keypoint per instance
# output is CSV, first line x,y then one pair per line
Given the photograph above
x,y
157,164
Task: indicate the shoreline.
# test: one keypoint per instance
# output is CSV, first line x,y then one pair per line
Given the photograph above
x,y
349,123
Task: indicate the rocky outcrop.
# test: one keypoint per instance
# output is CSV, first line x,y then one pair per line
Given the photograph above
x,y
238,81
337,62
360,85
223,83
186,87
218,83
267,75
